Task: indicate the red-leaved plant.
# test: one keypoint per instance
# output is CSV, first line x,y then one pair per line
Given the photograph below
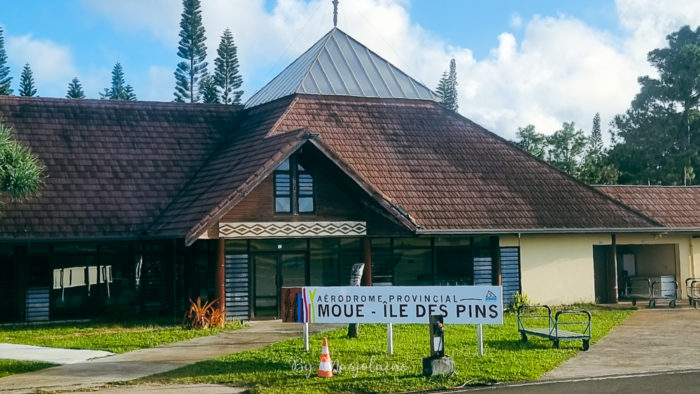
x,y
204,316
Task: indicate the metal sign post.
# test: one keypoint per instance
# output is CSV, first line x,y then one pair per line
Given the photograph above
x,y
390,339
480,340
306,336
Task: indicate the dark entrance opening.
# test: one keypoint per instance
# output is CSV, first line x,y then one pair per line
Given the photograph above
x,y
602,261
272,272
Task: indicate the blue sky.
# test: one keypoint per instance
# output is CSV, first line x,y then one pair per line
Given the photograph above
x,y
519,62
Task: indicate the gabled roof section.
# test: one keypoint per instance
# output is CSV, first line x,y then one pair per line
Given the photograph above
x,y
229,173
677,207
337,64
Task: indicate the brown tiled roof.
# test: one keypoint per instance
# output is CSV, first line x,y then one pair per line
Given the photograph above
x,y
674,206
449,173
119,169
112,166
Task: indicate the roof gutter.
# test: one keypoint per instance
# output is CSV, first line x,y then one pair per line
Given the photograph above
x,y
544,231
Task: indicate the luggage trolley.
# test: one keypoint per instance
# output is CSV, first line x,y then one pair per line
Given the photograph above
x,y
580,320
638,288
692,287
653,289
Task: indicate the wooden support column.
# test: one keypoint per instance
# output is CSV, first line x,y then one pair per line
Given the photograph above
x,y
612,273
367,257
496,277
221,273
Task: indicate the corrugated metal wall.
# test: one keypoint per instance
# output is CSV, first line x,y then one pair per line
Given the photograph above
x,y
510,272
237,280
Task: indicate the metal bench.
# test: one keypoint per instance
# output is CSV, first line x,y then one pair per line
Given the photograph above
x,y
554,331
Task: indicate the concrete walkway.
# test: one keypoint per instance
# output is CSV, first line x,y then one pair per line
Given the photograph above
x,y
14,351
649,341
140,363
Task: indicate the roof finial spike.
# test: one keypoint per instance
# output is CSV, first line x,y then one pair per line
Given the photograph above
x,y
335,13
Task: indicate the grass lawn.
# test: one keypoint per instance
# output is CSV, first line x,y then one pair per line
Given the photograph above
x,y
117,337
10,367
365,366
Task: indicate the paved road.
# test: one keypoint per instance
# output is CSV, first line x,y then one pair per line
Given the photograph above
x,y
654,350
658,383
140,363
651,340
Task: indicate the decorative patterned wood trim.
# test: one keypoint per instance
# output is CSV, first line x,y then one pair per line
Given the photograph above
x,y
291,229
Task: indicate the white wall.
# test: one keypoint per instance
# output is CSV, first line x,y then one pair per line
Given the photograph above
x,y
558,269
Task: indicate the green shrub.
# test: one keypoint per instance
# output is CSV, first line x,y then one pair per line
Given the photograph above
x,y
519,299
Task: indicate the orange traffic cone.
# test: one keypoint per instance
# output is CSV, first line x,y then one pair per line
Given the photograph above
x,y
325,368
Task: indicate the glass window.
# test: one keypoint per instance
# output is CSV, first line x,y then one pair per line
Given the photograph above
x,y
306,192
324,243
293,188
236,246
283,191
324,268
452,241
284,166
413,267
454,266
350,253
482,247
282,244
411,242
382,266
381,243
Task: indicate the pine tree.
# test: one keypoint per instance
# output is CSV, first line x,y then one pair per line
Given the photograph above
x,y
226,74
27,87
75,89
5,78
21,172
447,88
193,50
129,94
595,145
119,90
208,90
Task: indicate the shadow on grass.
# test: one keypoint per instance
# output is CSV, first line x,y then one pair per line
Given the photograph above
x,y
223,367
531,344
12,367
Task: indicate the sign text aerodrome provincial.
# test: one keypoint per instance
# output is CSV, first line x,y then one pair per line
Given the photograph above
x,y
400,304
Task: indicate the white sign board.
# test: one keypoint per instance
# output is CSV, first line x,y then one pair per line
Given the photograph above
x,y
401,304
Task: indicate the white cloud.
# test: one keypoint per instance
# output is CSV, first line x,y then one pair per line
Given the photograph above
x,y
650,21
515,21
50,62
561,70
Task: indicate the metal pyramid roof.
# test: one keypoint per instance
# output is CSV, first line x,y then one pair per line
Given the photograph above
x,y
337,64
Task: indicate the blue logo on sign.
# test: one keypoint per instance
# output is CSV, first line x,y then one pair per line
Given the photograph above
x,y
490,296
